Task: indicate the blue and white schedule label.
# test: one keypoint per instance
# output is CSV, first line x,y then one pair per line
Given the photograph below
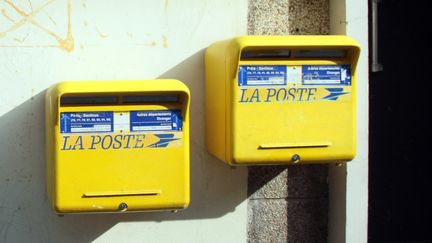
x,y
156,120
85,122
326,75
263,75
280,75
109,121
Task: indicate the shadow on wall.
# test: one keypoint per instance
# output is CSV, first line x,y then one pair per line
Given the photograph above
x,y
25,213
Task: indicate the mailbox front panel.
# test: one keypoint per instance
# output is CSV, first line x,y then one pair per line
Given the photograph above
x,y
121,152
287,108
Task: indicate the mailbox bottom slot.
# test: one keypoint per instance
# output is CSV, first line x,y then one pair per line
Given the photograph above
x,y
122,193
294,145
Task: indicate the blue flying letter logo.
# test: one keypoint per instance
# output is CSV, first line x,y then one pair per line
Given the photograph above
x,y
335,93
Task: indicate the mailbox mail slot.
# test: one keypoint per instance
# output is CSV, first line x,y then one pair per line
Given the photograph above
x,y
281,99
117,146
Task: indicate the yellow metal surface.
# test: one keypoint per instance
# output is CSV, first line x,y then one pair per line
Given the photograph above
x,y
103,166
305,117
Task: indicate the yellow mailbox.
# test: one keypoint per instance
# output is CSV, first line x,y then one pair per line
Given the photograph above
x,y
281,99
116,146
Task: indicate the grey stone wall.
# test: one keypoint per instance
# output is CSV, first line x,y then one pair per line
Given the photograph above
x,y
288,203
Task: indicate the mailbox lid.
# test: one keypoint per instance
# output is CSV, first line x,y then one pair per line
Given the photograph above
x,y
116,86
291,41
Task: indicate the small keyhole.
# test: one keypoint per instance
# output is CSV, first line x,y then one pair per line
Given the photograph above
x,y
123,207
295,158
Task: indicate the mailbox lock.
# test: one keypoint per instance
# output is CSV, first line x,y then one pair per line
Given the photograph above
x,y
122,207
295,158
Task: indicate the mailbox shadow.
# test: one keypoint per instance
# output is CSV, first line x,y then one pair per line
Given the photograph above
x,y
216,189
25,214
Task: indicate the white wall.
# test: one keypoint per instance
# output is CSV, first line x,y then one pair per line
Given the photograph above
x,y
348,209
111,40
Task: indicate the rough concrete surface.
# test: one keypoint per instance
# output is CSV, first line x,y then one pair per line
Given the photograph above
x,y
268,17
307,181
267,182
287,220
288,203
307,220
303,189
304,181
273,221
309,17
